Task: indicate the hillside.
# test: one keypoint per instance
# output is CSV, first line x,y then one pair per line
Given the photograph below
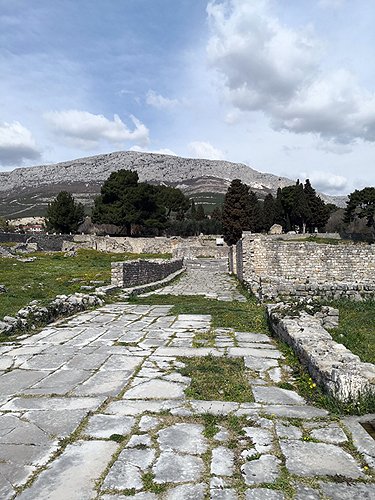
x,y
27,191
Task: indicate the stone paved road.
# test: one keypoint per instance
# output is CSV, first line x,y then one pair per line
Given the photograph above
x,y
95,408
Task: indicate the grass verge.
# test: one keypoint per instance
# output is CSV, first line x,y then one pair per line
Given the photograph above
x,y
356,328
54,274
217,379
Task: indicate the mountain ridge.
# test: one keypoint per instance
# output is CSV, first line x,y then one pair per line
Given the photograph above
x,y
84,176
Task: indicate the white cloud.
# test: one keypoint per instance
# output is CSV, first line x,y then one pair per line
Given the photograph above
x,y
162,151
86,130
271,68
158,101
326,182
16,144
200,149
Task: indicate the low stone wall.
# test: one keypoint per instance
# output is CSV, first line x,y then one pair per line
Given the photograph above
x,y
331,365
140,272
47,242
274,269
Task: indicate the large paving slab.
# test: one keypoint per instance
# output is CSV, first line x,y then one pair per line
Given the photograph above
x,y
95,408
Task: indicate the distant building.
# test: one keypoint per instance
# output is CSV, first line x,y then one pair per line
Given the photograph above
x,y
27,225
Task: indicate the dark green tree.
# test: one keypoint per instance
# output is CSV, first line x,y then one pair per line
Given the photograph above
x,y
361,205
279,212
173,200
200,215
235,217
255,214
193,210
125,202
216,214
319,212
64,215
268,212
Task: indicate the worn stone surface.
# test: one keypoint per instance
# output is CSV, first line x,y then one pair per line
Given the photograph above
x,y
108,381
265,469
183,438
318,459
71,475
173,468
264,494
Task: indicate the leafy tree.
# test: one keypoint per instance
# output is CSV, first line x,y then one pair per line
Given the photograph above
x,y
63,214
361,205
235,216
173,200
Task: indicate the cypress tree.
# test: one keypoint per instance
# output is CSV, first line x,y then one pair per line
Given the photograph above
x,y
235,215
268,212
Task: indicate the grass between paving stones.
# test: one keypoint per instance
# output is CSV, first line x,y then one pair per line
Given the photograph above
x,y
246,316
217,379
356,328
54,274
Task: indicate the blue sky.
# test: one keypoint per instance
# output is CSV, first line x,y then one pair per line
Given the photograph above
x,y
286,87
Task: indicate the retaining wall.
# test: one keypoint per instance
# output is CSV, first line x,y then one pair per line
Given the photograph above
x,y
330,364
140,272
273,268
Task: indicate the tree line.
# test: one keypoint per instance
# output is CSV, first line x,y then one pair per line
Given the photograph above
x,y
129,207
296,208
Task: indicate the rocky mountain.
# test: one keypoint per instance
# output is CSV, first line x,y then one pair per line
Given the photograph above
x,y
27,191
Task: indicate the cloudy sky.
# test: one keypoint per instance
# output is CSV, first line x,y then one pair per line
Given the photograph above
x,y
284,86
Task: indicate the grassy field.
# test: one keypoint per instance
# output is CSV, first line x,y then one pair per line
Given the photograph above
x,y
53,274
356,328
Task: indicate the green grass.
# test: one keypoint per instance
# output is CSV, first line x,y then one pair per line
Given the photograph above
x,y
356,328
242,316
217,379
53,274
321,241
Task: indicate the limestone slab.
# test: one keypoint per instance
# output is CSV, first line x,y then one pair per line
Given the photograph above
x,y
59,382
108,383
126,472
275,395
103,426
156,389
73,474
265,494
183,438
222,461
265,469
173,468
254,352
318,459
187,492
330,434
336,491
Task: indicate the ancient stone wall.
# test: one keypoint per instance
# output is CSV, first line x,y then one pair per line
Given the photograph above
x,y
47,242
192,247
139,272
273,268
